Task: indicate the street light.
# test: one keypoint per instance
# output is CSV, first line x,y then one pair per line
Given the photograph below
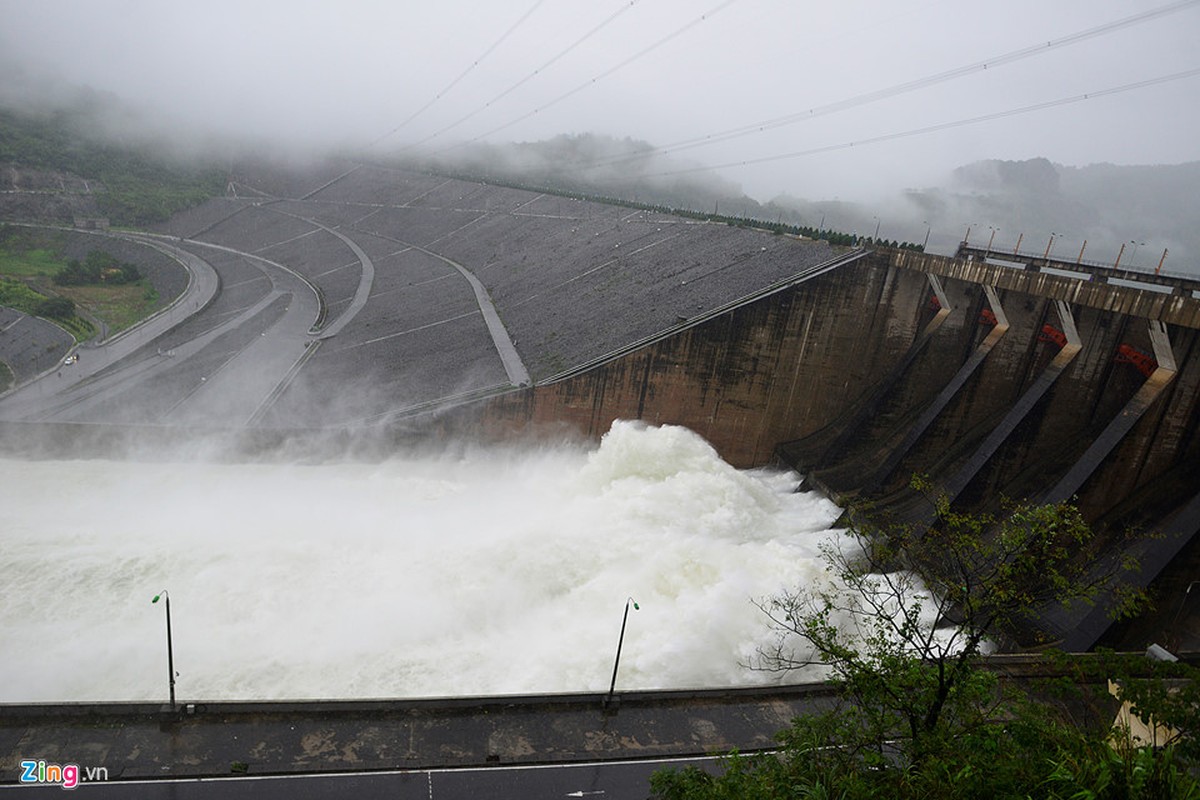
x,y
991,239
875,238
1133,254
1182,603
616,662
928,228
1046,255
170,653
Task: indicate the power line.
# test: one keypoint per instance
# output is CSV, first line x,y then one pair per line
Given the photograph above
x,y
461,75
887,137
904,88
620,65
528,77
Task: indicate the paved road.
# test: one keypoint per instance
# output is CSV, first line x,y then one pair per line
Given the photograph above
x,y
248,358
241,388
36,400
611,780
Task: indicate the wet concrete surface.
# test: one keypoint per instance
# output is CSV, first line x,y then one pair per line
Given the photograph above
x,y
136,741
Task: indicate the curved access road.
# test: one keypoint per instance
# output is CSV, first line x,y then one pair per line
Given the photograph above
x,y
34,399
222,377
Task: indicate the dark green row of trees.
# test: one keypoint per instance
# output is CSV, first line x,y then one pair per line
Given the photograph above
x,y
98,267
901,632
838,238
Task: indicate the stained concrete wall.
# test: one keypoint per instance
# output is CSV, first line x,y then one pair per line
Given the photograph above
x,y
772,370
789,371
829,376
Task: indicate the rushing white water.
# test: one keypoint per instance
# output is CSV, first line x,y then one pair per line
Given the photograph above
x,y
492,572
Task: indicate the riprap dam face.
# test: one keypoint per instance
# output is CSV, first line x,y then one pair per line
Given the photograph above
x,y
375,299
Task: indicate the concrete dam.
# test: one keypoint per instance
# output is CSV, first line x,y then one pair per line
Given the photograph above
x,y
997,379
370,299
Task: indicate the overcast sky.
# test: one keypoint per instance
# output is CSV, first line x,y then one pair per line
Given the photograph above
x,y
665,71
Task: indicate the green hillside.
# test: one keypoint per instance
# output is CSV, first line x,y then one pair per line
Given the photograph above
x,y
140,188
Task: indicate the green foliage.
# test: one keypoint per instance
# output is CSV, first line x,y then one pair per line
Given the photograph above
x,y
15,294
919,716
137,200
1099,772
55,308
104,287
1165,693
98,267
138,188
883,626
28,252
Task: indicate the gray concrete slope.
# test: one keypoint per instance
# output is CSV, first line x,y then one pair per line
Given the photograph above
x,y
429,289
29,345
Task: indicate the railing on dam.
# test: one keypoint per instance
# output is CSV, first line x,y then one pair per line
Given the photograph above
x,y
1080,269
139,741
1173,299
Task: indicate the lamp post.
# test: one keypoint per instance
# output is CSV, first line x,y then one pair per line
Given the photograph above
x,y
1133,253
875,238
170,653
1182,603
925,244
1046,255
991,239
617,661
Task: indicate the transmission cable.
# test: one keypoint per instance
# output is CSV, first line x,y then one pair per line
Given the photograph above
x,y
887,137
569,48
626,62
461,75
902,88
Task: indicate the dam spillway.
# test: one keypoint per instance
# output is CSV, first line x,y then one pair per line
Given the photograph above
x,y
995,380
773,348
473,571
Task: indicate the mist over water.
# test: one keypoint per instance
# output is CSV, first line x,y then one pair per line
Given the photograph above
x,y
491,572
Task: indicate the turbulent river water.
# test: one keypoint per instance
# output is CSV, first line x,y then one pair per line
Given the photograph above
x,y
488,571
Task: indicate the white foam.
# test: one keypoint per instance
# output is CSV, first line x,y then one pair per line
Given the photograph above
x,y
492,572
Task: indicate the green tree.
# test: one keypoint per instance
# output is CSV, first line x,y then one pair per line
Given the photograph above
x,y
911,608
900,628
55,308
97,267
